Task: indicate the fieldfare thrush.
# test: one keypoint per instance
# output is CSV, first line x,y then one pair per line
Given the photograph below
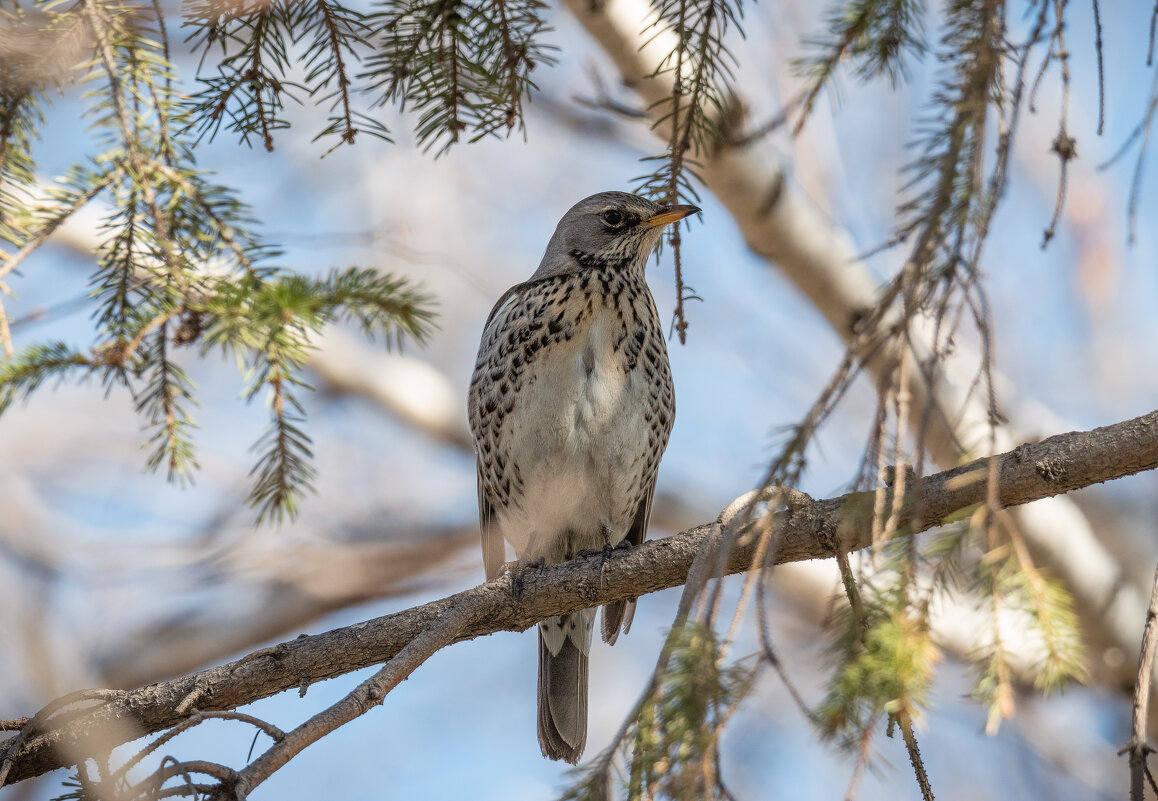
x,y
571,405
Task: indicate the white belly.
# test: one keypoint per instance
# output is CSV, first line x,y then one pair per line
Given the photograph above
x,y
578,439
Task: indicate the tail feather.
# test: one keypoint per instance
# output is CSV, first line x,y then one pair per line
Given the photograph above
x,y
616,614
563,645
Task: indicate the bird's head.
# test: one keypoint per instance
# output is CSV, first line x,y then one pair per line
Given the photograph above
x,y
611,227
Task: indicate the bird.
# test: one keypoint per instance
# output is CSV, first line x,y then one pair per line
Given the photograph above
x,y
571,404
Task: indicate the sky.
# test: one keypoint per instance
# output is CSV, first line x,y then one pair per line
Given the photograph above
x,y
1074,322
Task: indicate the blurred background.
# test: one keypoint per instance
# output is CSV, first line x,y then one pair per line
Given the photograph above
x,y
111,577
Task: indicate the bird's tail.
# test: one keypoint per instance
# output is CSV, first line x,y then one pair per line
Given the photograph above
x,y
564,643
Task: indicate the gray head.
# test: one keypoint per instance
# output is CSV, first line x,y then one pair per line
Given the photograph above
x,y
612,227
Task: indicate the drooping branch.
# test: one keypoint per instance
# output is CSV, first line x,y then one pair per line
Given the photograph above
x,y
778,223
809,530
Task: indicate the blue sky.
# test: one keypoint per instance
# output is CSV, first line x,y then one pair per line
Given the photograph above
x,y
1074,325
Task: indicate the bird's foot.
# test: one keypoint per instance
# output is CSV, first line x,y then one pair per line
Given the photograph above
x,y
518,570
605,551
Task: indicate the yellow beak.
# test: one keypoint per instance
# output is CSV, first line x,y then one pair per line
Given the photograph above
x,y
670,214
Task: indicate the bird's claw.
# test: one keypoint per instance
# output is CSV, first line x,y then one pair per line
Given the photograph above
x,y
518,569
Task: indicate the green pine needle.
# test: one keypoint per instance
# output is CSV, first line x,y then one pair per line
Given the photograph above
x,y
24,374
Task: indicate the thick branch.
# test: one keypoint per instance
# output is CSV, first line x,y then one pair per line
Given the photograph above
x,y
811,530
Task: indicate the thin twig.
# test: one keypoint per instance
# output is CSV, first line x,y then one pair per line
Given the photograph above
x,y
274,733
5,329
37,722
349,132
151,785
10,263
1138,747
1101,71
910,738
445,630
863,752
1136,181
770,654
1064,145
1153,21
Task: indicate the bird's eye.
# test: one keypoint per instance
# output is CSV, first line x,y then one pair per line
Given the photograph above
x,y
612,217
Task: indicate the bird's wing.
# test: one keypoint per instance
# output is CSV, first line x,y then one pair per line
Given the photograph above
x,y
483,428
618,615
493,549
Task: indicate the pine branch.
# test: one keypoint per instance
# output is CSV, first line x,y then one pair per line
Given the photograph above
x,y
883,665
254,37
267,323
22,375
164,401
257,42
339,37
284,473
875,36
173,233
463,68
380,304
699,68
952,206
672,746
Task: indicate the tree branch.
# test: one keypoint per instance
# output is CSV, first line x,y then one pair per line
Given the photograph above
x,y
809,530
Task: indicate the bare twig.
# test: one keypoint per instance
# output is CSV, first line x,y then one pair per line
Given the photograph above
x,y
910,738
5,329
441,632
1153,21
863,752
1064,145
1136,181
1138,748
1101,71
274,732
